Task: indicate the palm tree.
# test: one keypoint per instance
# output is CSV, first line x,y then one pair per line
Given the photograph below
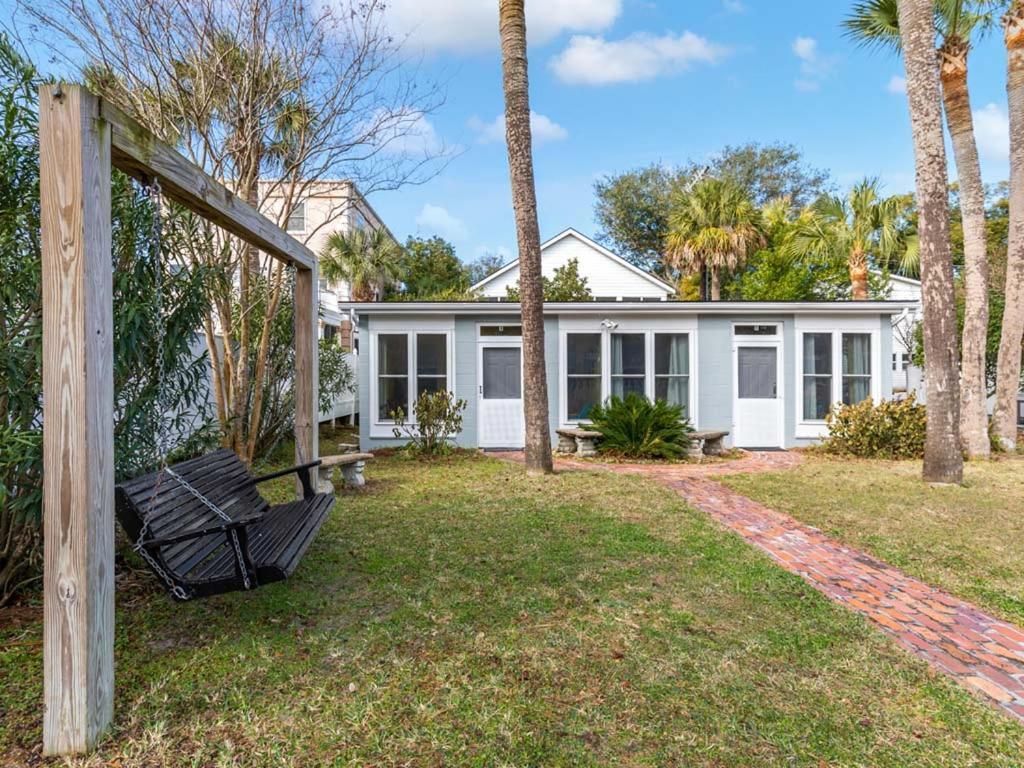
x,y
857,231
515,82
943,461
368,260
1008,362
876,22
712,226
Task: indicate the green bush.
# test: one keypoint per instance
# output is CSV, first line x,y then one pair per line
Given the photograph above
x,y
438,419
137,367
633,427
891,429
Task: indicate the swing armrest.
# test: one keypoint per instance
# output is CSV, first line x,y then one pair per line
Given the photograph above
x,y
303,472
200,532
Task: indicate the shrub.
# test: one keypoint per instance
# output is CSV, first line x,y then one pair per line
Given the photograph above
x,y
891,429
438,419
636,428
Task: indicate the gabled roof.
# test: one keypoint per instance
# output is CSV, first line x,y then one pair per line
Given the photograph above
x,y
570,232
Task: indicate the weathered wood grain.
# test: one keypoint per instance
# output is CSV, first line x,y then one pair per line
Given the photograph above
x,y
78,436
306,369
137,152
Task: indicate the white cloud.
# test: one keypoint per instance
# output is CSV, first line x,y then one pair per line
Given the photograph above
x,y
470,26
595,61
992,132
734,6
436,220
411,135
897,84
542,128
814,66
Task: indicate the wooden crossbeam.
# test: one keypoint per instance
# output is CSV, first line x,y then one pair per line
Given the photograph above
x,y
139,153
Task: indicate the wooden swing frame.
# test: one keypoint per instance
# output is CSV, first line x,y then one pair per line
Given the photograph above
x,y
81,138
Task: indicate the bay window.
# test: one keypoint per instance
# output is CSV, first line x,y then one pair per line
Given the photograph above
x,y
407,365
583,374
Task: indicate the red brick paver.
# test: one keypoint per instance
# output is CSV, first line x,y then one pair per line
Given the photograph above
x,y
983,653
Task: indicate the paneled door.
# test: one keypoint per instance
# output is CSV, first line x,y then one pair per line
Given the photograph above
x,y
500,395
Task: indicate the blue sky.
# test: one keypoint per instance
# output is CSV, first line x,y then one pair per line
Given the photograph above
x,y
622,83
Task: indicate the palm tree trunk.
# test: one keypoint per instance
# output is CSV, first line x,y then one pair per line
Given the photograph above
x,y
943,461
512,28
858,269
1008,364
716,282
973,389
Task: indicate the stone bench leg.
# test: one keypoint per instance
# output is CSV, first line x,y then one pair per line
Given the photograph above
x,y
586,447
714,447
566,444
696,449
353,474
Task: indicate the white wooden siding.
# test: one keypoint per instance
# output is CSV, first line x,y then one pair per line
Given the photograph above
x,y
605,277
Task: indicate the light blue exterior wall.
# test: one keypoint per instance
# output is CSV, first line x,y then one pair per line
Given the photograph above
x,y
714,374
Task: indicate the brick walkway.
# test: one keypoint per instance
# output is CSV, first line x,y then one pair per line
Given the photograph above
x,y
957,638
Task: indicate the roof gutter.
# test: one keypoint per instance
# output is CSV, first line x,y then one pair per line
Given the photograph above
x,y
632,308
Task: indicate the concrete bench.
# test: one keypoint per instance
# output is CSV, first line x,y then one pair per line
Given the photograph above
x,y
582,442
351,465
707,442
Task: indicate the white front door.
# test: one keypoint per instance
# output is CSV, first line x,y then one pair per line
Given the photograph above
x,y
757,404
500,395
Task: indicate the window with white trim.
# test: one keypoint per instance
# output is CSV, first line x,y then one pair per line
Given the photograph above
x,y
817,373
672,369
655,364
835,367
583,374
856,368
407,365
297,218
629,367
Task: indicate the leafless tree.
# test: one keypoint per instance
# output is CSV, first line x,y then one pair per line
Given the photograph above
x,y
276,98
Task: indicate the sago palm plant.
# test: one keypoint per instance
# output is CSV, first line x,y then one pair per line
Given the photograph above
x,y
633,427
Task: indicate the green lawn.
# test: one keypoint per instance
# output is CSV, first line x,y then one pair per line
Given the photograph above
x,y
968,540
461,613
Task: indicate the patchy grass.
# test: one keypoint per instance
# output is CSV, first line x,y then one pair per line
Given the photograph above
x,y
462,613
967,540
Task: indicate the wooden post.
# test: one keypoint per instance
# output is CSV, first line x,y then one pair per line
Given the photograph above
x,y
78,429
306,358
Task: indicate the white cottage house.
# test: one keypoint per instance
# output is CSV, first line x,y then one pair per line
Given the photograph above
x,y
765,371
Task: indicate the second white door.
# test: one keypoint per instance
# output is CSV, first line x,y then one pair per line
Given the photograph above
x,y
500,396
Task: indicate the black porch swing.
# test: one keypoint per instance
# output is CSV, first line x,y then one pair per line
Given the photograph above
x,y
201,525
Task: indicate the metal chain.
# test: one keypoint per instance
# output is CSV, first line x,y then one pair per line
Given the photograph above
x,y
164,405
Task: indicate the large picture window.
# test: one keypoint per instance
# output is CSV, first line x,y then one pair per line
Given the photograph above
x,y
583,374
672,369
628,363
817,353
409,364
856,367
